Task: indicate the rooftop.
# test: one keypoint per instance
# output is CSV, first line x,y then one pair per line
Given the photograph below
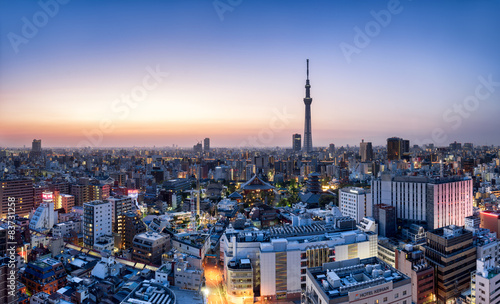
x,y
337,279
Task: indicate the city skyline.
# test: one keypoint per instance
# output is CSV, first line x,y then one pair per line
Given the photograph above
x,y
236,76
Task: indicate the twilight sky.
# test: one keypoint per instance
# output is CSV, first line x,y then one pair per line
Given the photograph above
x,y
95,72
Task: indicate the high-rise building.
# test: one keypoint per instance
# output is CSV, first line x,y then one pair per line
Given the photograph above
x,y
133,226
97,217
296,142
36,148
19,189
434,202
120,206
366,151
450,250
396,147
308,147
206,144
198,148
355,203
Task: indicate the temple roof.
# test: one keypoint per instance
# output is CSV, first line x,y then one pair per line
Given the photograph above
x,y
255,183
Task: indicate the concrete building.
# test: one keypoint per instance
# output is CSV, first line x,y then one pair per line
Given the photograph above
x,y
148,247
385,215
96,221
133,226
485,283
410,261
450,250
490,220
22,191
44,218
120,206
152,293
396,148
187,277
281,255
66,201
206,144
355,203
356,281
240,281
296,142
434,202
366,151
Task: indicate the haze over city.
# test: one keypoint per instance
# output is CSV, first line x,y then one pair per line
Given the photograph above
x,y
231,71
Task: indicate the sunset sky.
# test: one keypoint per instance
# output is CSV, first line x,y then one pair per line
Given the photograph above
x,y
238,76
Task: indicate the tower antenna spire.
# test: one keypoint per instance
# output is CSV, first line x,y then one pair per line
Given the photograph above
x,y
307,69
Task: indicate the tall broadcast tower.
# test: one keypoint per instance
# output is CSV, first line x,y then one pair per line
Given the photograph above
x,y
308,145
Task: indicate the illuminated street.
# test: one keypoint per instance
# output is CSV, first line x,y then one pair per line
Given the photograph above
x,y
213,275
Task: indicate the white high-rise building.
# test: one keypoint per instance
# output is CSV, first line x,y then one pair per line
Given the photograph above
x,y
96,221
356,203
434,202
44,218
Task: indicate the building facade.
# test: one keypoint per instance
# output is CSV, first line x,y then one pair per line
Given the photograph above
x,y
450,250
355,203
96,221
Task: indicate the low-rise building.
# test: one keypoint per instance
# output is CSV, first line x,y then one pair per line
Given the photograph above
x,y
148,247
240,281
356,281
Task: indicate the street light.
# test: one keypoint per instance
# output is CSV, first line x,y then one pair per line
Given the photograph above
x,y
206,292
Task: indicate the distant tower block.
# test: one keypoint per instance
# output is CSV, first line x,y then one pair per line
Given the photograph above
x,y
308,147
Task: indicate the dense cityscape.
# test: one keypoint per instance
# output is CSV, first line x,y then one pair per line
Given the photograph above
x,y
227,152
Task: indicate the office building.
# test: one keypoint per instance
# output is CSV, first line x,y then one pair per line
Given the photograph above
x,y
357,281
450,250
355,203
97,217
22,191
296,142
81,193
433,202
206,144
198,148
36,148
396,148
308,147
385,215
366,151
148,247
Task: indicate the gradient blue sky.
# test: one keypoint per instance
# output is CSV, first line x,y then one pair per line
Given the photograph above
x,y
228,78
